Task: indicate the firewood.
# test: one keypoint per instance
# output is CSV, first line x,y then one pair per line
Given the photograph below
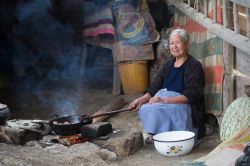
x,y
4,136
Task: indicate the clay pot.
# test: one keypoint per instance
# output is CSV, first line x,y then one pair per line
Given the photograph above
x,y
4,113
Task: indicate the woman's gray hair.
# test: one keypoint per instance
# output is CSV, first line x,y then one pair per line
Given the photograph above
x,y
182,33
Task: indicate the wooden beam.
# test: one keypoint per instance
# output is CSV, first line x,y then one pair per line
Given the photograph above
x,y
229,61
248,22
224,13
245,3
237,40
236,22
205,8
189,3
116,76
228,79
215,11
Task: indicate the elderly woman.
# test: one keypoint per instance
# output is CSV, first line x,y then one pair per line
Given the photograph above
x,y
174,100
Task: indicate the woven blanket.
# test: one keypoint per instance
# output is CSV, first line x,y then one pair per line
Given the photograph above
x,y
207,48
98,19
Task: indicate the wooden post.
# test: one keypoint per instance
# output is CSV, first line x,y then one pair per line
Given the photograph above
x,y
224,13
215,11
235,13
228,80
116,75
205,8
83,59
248,22
196,5
228,58
189,3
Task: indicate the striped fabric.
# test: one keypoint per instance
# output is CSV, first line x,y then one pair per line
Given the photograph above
x,y
207,48
98,19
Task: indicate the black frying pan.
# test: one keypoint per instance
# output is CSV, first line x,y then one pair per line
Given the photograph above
x,y
70,125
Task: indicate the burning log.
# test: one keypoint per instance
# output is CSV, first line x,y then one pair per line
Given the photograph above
x,y
72,139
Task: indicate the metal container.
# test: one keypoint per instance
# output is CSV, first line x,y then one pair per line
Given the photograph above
x,y
174,143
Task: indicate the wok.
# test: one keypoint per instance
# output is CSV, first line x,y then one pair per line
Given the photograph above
x,y
71,125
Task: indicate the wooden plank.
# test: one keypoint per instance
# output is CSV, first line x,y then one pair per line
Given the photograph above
x,y
125,53
242,62
196,5
245,3
228,79
205,8
237,40
235,14
116,76
224,13
215,11
248,22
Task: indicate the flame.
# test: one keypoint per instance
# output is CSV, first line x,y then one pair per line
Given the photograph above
x,y
72,139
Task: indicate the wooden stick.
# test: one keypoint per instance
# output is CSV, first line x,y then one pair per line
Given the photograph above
x,y
4,136
115,105
235,13
110,113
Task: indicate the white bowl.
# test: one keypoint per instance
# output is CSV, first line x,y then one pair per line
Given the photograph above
x,y
174,143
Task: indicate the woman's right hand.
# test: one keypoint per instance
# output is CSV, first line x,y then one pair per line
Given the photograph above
x,y
136,104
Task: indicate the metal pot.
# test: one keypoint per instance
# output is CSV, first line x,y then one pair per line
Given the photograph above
x,y
4,113
70,125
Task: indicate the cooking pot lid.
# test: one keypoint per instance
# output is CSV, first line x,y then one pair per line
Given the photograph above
x,y
3,106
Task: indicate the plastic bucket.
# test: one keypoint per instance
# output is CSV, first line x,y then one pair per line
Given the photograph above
x,y
134,76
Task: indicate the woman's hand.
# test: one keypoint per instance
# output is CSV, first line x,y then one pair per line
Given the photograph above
x,y
156,99
136,104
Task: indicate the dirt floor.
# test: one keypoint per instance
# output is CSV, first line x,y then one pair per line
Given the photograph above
x,y
32,105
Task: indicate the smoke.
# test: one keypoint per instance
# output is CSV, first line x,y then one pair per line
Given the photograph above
x,y
45,53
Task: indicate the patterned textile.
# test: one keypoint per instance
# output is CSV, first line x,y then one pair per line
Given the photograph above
x,y
229,150
134,26
207,48
236,117
160,117
98,19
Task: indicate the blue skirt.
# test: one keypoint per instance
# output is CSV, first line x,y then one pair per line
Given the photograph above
x,y
161,117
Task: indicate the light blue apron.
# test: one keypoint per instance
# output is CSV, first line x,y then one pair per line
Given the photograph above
x,y
161,117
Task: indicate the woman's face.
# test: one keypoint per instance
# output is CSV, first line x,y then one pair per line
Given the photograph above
x,y
177,47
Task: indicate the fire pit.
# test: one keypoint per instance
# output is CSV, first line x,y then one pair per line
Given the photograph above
x,y
70,125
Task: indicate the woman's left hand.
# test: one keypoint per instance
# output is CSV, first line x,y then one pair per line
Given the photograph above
x,y
155,99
